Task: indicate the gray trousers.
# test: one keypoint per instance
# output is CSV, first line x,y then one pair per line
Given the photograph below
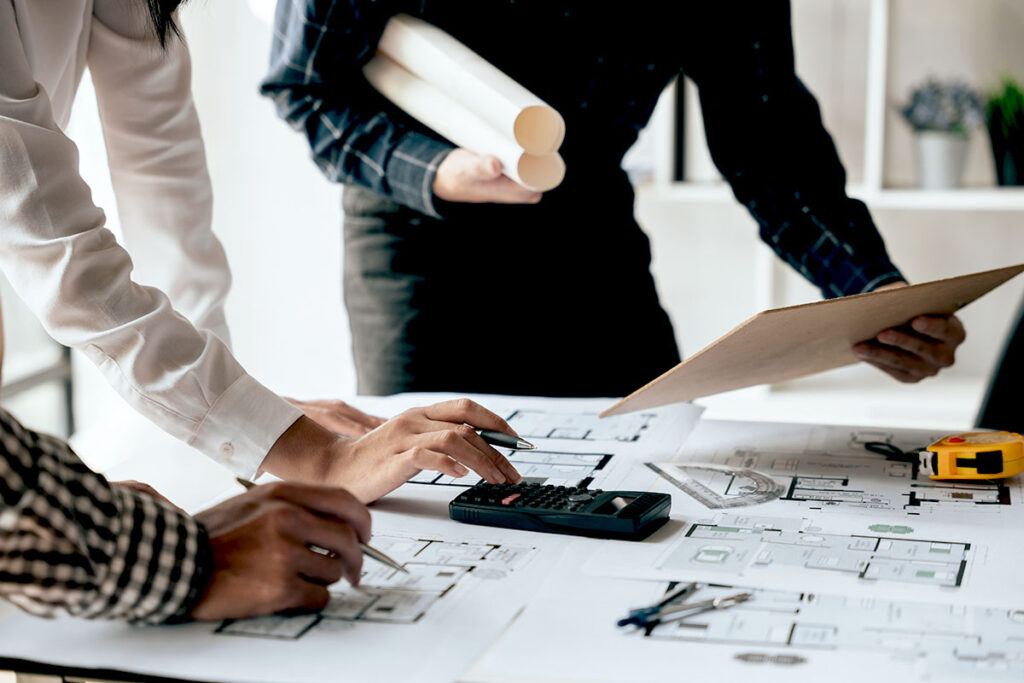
x,y
500,300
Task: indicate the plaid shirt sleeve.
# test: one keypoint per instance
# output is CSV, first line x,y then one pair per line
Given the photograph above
x,y
317,85
70,541
766,136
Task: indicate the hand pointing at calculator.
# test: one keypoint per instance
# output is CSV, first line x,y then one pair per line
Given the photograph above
x,y
441,437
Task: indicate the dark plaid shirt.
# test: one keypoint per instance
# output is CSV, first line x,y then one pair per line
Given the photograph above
x,y
69,541
603,68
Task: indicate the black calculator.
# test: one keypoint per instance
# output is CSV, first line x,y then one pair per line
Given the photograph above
x,y
624,515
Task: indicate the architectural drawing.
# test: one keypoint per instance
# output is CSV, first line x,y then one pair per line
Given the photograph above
x,y
387,596
541,424
538,467
863,482
745,487
976,641
741,546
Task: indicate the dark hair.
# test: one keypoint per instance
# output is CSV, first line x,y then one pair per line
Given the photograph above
x,y
161,12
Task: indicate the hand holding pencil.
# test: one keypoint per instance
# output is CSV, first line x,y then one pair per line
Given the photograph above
x,y
367,549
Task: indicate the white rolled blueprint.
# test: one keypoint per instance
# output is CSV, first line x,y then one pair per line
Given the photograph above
x,y
452,119
439,59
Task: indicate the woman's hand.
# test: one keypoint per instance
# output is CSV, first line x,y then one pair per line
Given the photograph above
x,y
441,437
338,416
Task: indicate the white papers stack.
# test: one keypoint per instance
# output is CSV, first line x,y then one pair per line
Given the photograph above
x,y
449,88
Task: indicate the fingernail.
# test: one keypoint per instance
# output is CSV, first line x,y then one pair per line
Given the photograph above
x,y
463,471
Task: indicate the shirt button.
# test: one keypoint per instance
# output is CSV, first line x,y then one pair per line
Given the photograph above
x,y
227,449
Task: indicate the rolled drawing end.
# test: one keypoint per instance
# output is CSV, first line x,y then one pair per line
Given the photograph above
x,y
540,172
539,129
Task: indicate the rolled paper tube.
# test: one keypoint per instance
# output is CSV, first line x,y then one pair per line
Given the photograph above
x,y
450,119
442,61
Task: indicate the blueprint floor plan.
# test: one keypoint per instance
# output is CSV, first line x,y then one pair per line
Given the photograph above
x,y
853,483
741,545
538,467
834,554
806,619
537,424
828,469
974,640
388,596
777,635
977,641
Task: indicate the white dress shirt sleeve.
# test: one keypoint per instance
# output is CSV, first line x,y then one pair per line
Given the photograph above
x,y
61,259
158,164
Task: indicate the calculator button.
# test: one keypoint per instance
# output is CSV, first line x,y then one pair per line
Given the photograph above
x,y
580,497
509,499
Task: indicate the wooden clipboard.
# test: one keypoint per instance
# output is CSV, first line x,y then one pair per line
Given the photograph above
x,y
786,343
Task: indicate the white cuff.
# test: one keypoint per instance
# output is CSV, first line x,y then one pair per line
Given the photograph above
x,y
242,426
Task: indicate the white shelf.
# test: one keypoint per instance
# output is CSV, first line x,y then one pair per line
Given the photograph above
x,y
1009,199
871,188
684,192
967,199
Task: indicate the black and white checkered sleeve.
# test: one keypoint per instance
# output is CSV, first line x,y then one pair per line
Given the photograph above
x,y
70,541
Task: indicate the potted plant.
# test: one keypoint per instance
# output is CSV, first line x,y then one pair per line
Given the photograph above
x,y
1004,115
942,115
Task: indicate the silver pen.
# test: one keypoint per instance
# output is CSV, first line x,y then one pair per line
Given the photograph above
x,y
367,549
506,440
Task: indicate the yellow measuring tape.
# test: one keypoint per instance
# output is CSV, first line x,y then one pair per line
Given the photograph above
x,y
974,455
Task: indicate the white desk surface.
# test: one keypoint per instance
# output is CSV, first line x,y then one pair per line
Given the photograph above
x,y
562,625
